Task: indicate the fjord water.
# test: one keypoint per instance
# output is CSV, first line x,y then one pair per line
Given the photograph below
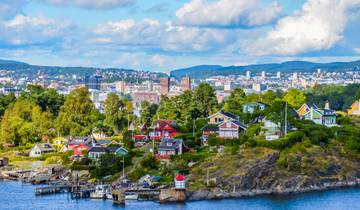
x,y
18,196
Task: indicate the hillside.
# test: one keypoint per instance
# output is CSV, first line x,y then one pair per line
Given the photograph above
x,y
258,171
204,71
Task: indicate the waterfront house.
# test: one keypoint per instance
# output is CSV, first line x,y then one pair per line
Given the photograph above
x,y
164,129
80,149
251,107
140,140
271,130
220,117
326,116
97,152
231,129
354,109
40,149
169,147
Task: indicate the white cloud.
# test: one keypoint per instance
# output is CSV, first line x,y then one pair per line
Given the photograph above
x,y
32,30
317,26
227,13
357,50
92,4
129,32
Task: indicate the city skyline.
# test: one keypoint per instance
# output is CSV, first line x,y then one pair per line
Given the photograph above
x,y
166,35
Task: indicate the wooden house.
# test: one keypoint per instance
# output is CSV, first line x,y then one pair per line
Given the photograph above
x,y
164,129
40,149
231,129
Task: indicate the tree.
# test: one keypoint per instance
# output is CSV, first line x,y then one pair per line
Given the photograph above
x,y
205,99
295,98
5,101
48,99
234,103
24,122
78,114
114,112
148,112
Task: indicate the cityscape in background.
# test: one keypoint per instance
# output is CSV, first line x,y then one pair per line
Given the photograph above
x,y
140,86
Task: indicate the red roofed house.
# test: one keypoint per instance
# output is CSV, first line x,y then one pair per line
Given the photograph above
x,y
164,129
140,140
78,149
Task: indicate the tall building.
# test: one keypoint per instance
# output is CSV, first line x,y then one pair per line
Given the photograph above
x,y
228,86
164,85
278,75
186,83
120,86
263,75
93,82
248,74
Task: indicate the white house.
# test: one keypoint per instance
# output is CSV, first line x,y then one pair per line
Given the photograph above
x,y
39,149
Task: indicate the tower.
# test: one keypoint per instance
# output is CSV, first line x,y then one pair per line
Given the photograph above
x,y
164,85
248,74
186,83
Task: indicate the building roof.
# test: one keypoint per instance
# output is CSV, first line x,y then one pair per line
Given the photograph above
x,y
167,143
241,125
103,142
113,149
230,115
98,149
210,128
45,147
81,140
226,114
180,177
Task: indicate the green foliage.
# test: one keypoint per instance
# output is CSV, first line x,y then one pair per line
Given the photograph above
x,y
340,97
147,111
150,162
24,122
78,114
205,99
116,112
5,101
109,164
48,99
188,106
295,98
127,140
234,103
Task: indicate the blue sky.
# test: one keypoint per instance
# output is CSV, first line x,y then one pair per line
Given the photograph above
x,y
160,35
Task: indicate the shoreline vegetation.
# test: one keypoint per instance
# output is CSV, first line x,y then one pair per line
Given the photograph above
x,y
306,156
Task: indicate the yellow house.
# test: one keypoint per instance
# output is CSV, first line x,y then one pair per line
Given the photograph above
x,y
220,117
354,109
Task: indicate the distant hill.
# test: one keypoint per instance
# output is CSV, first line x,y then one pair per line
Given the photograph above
x,y
112,74
204,71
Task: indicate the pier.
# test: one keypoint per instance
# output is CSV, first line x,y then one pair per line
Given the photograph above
x,y
51,189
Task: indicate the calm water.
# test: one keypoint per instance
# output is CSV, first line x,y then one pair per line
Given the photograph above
x,y
17,196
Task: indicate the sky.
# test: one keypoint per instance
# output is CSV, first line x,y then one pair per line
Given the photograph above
x,y
162,35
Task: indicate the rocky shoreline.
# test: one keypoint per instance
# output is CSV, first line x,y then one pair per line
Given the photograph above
x,y
217,193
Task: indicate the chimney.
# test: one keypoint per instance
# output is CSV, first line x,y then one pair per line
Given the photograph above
x,y
327,104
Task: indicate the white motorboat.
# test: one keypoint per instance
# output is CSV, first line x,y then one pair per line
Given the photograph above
x,y
131,196
100,192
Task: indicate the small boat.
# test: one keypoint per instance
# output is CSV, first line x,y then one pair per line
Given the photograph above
x,y
100,192
109,194
131,196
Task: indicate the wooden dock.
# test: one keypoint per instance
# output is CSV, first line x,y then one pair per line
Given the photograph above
x,y
52,189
